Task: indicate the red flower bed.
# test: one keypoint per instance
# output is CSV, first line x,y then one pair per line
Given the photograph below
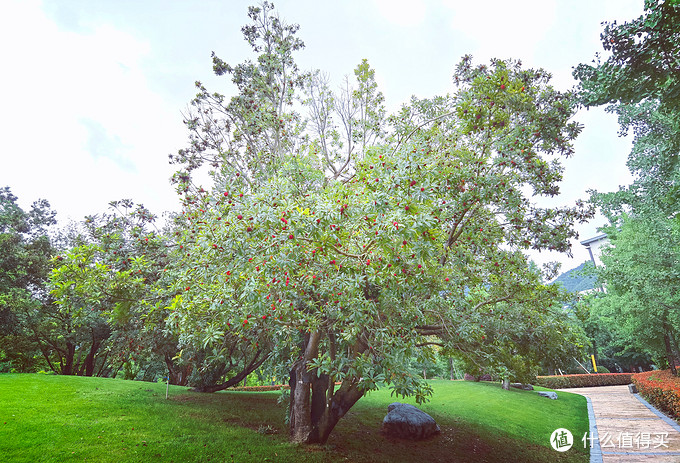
x,y
598,379
661,389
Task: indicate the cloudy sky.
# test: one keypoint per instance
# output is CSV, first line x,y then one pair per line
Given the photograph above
x,y
92,91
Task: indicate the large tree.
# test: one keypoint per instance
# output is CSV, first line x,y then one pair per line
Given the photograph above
x,y
640,81
352,250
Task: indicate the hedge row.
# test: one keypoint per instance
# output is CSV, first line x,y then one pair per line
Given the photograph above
x,y
599,379
661,389
275,387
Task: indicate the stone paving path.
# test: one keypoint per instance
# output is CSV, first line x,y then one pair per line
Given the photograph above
x,y
625,428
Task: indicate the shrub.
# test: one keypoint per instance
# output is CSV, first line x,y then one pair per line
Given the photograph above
x,y
602,369
599,379
661,389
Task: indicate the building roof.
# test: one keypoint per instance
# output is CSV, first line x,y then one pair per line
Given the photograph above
x,y
594,239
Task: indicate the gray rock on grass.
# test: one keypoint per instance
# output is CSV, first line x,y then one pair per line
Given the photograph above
x,y
408,422
549,394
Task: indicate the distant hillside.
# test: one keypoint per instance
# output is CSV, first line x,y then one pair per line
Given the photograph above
x,y
577,279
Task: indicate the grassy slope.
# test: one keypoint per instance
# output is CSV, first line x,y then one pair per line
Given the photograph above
x,y
56,418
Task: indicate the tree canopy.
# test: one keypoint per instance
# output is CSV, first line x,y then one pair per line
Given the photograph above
x,y
349,242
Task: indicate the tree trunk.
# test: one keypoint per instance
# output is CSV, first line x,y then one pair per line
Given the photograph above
x,y
674,343
178,376
89,360
670,355
300,392
506,384
70,353
103,364
669,352
47,358
312,415
315,408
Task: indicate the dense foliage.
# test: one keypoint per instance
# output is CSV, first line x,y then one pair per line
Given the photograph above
x,y
25,249
639,80
349,248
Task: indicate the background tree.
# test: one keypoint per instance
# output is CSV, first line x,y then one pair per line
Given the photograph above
x,y
642,63
253,130
621,342
641,270
640,82
104,285
25,249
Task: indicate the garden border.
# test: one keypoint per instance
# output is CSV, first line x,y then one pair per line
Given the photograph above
x,y
595,450
669,421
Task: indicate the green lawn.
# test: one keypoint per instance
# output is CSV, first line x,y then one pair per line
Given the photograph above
x,y
58,418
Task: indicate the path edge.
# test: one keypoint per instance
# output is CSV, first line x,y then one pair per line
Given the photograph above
x,y
661,415
595,450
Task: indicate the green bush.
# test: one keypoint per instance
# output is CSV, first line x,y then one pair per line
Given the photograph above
x,y
599,379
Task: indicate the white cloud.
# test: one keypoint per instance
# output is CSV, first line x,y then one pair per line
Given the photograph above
x,y
402,12
57,79
501,28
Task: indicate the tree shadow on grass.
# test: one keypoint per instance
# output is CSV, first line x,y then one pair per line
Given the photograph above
x,y
357,438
